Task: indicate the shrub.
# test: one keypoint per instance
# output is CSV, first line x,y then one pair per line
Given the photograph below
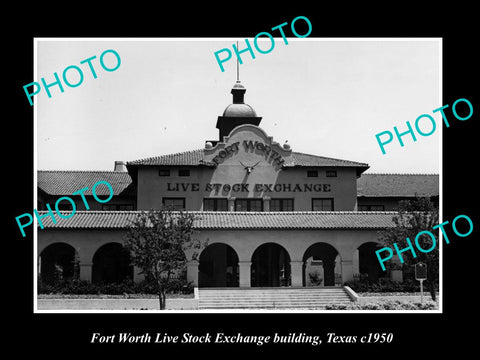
x,y
76,287
81,287
384,285
315,279
385,305
67,287
336,307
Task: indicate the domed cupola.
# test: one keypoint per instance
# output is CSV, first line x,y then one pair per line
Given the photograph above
x,y
239,108
237,113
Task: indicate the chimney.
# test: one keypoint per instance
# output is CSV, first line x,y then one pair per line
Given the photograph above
x,y
120,166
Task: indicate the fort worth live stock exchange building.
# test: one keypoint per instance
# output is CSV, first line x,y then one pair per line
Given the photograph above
x,y
272,216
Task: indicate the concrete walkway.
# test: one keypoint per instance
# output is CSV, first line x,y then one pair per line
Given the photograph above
x,y
115,304
403,298
189,304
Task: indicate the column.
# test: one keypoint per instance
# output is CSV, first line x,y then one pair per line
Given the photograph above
x,y
86,271
266,203
347,270
321,272
338,271
396,272
244,269
231,204
137,277
356,263
192,272
296,268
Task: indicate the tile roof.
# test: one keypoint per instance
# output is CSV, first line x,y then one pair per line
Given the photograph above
x,y
301,159
192,158
398,185
236,220
61,182
195,158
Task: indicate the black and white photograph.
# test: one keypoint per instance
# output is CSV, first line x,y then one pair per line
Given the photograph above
x,y
291,194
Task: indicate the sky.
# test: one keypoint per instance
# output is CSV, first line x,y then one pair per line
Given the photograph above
x,y
327,97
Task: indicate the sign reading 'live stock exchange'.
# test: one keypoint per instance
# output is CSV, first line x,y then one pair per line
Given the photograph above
x,y
209,187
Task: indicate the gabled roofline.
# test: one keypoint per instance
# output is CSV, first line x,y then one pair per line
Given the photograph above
x,y
153,161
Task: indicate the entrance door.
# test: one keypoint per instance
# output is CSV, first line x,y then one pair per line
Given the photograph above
x,y
324,255
218,266
270,266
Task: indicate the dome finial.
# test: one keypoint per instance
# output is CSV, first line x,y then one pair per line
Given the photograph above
x,y
238,92
238,68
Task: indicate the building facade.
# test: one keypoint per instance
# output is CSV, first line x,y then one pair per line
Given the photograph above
x,y
272,216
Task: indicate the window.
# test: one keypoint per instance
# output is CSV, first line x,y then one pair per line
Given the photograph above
x,y
164,172
371,207
248,205
322,204
312,173
281,205
331,173
184,172
175,203
213,204
117,207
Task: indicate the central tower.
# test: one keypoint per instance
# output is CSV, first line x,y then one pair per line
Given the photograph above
x,y
237,113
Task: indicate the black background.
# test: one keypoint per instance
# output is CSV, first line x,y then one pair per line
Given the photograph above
x,y
60,335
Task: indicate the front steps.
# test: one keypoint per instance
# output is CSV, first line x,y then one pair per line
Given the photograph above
x,y
308,298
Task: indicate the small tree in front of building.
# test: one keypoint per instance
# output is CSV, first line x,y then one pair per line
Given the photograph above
x,y
157,241
413,217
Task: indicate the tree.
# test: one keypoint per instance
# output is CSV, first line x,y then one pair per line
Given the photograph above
x,y
413,217
157,240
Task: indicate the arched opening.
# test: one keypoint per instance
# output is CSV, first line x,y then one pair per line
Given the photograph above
x,y
270,266
321,266
111,263
58,262
368,266
218,266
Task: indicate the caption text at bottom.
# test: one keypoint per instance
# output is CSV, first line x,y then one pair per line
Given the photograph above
x,y
259,340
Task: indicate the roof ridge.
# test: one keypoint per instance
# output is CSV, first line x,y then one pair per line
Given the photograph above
x,y
164,155
256,213
329,158
423,174
86,171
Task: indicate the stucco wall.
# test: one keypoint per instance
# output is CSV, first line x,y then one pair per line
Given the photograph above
x,y
248,166
80,204
296,242
86,242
